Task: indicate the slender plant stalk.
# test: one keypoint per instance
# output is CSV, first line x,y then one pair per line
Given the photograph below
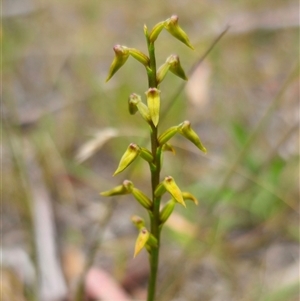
x,y
155,179
150,240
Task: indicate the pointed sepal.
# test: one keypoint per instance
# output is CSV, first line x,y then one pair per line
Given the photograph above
x,y
153,102
174,190
121,56
168,148
188,196
125,188
186,130
175,66
142,198
141,241
129,156
171,25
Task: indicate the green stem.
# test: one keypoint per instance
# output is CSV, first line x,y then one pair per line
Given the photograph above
x,y
155,179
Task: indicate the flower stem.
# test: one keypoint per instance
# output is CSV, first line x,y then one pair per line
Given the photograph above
x,y
155,179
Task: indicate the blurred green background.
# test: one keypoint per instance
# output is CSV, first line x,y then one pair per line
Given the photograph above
x,y
64,130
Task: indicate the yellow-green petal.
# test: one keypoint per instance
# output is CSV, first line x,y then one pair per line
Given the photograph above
x,y
188,196
129,156
141,241
153,102
174,190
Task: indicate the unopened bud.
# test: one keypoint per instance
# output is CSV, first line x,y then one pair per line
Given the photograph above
x,y
167,211
146,154
140,56
152,242
146,31
141,198
167,135
160,189
156,31
162,72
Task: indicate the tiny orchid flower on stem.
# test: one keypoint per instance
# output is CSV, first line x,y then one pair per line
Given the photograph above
x,y
150,111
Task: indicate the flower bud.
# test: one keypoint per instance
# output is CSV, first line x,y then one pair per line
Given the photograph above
x,y
146,154
174,190
167,135
189,196
160,189
167,211
171,25
156,30
141,198
138,222
146,31
141,241
152,241
125,188
130,154
186,130
140,56
175,66
162,72
153,101
121,56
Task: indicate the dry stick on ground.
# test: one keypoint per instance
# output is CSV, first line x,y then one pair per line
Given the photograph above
x,y
52,283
